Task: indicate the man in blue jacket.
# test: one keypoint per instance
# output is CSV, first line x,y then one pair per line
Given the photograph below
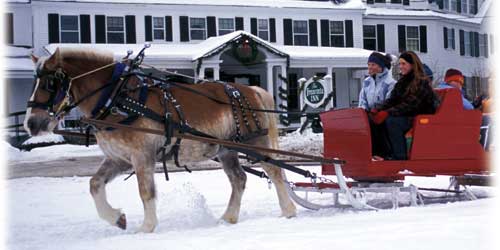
x,y
453,78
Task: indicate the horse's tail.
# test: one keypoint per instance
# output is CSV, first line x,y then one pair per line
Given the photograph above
x,y
268,103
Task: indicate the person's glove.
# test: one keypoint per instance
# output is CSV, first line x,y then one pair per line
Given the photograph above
x,y
380,117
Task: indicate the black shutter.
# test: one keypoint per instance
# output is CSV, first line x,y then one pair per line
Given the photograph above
x,y
486,51
168,29
459,6
369,1
476,44
380,37
313,32
253,26
100,29
85,28
130,29
53,28
406,2
474,10
238,23
288,31
184,27
211,26
325,32
462,42
453,39
402,38
9,24
272,30
440,4
148,28
423,38
445,37
349,39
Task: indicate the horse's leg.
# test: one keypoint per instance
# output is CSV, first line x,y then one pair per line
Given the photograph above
x,y
238,179
107,171
288,209
144,167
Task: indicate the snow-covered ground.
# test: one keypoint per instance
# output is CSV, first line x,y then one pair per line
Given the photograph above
x,y
58,213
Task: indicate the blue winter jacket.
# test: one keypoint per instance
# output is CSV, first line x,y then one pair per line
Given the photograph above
x,y
466,103
376,90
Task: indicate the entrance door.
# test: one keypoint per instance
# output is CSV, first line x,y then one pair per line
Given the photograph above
x,y
247,79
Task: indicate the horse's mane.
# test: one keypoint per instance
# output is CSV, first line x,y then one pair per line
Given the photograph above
x,y
86,54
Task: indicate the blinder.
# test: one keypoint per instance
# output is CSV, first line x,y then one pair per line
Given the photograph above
x,y
55,83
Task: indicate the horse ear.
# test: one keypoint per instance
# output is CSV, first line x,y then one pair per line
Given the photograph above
x,y
34,58
52,61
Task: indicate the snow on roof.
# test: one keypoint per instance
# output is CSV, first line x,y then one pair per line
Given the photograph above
x,y
477,19
17,59
305,52
350,4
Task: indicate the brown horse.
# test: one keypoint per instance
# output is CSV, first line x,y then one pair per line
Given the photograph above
x,y
125,150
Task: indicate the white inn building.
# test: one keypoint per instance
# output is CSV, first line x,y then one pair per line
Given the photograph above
x,y
289,38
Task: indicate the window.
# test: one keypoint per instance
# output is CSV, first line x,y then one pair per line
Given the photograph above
x,y
226,26
412,38
453,5
337,34
483,45
472,7
300,33
467,44
451,38
464,6
158,28
396,1
69,29
198,30
115,29
379,1
446,5
369,37
263,29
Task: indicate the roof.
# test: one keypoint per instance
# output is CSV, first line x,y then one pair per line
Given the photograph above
x,y
350,4
212,45
18,59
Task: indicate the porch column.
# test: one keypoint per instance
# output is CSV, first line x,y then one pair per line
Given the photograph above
x,y
329,86
270,83
216,73
201,76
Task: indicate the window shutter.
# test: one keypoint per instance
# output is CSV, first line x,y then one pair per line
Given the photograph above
x,y
369,1
53,28
325,32
445,37
238,23
486,51
85,29
440,4
272,30
476,44
459,6
474,10
402,38
184,26
130,29
406,2
9,24
288,31
148,28
349,41
168,29
253,26
453,39
211,26
423,38
462,42
313,32
381,37
100,29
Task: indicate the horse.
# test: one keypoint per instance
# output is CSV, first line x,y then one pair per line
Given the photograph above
x,y
130,150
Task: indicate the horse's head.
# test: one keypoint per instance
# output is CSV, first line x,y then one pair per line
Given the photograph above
x,y
48,93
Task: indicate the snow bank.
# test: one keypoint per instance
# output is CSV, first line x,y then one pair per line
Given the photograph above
x,y
47,138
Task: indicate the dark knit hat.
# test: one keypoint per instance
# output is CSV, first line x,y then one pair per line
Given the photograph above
x,y
380,60
428,72
454,75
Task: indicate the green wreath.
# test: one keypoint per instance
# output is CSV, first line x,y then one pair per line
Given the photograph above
x,y
245,50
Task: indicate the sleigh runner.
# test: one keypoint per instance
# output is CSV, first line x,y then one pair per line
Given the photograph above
x,y
140,117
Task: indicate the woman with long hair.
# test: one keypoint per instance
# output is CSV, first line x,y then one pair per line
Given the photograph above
x,y
412,95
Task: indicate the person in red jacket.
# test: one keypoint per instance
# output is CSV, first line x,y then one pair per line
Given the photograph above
x,y
412,95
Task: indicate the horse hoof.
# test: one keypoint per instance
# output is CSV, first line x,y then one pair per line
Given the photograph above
x,y
122,222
